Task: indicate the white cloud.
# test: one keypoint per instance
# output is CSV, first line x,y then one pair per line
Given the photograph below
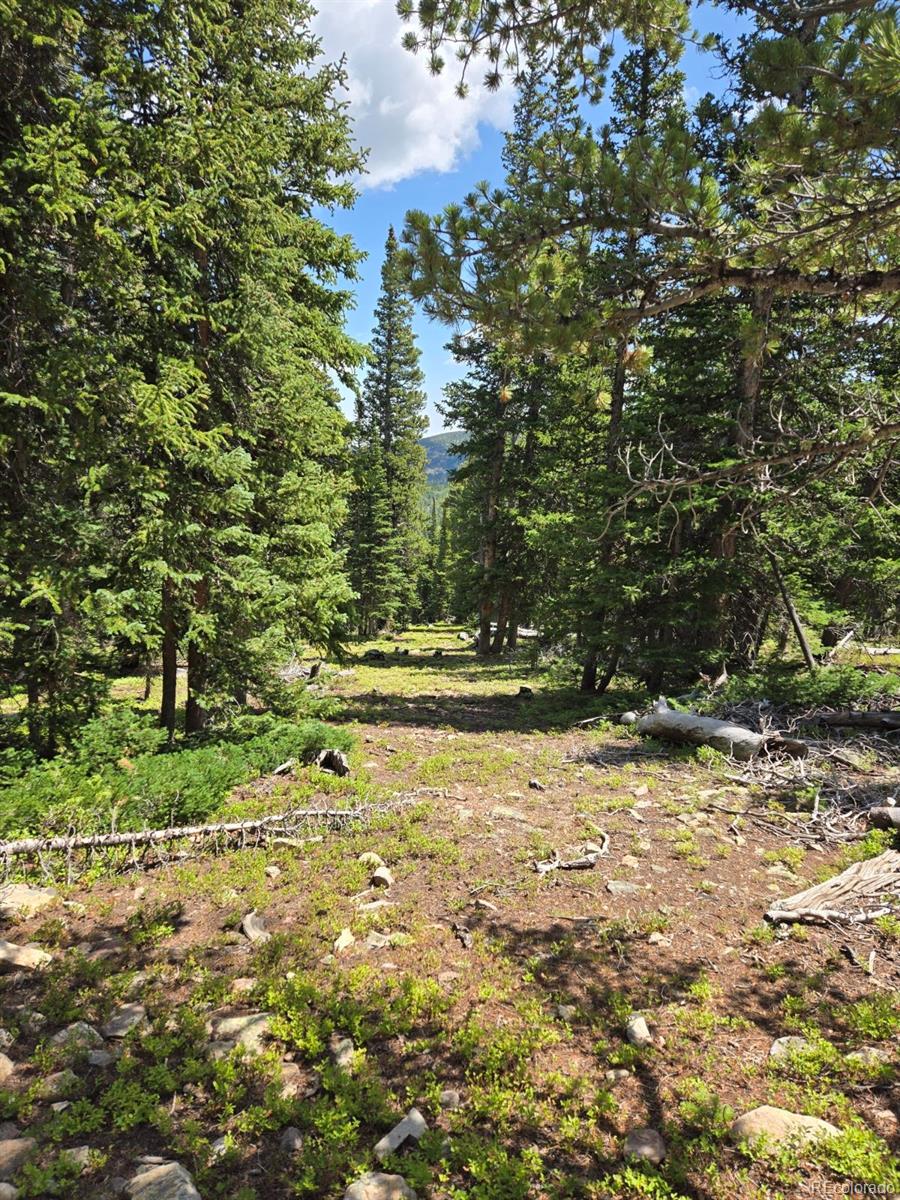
x,y
409,120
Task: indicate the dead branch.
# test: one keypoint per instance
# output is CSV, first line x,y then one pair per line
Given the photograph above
x,y
864,891
591,853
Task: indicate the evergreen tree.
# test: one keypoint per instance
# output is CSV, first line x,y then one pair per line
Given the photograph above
x,y
390,422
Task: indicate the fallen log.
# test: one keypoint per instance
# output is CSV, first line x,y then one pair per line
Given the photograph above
x,y
276,824
884,719
672,726
589,857
864,891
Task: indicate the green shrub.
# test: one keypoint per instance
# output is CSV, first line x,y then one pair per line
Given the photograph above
x,y
117,772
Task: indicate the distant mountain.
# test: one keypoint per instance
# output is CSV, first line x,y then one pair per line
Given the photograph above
x,y
440,459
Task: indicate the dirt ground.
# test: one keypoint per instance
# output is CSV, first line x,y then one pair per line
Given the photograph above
x,y
471,973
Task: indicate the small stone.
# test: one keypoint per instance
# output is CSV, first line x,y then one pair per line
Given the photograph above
x,y
377,941
780,1126
243,985
8,1192
628,718
869,1056
637,1031
60,1085
7,1069
412,1126
622,887
100,1058
536,785
617,1074
449,1099
566,1012
9,1130
249,1030
81,1155
219,1148
297,1083
446,977
59,1106
169,1181
376,1186
382,877
343,941
124,1019
342,1051
253,927
370,859
14,1152
291,1141
658,939
6,1039
504,813
19,899
629,860
272,872
78,1036
784,1046
23,958
647,1144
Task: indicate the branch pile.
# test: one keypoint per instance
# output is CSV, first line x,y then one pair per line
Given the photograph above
x,y
864,891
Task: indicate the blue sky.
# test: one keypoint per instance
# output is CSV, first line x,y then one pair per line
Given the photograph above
x,y
426,147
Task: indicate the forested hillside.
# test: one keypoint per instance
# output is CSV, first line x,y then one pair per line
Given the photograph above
x,y
505,814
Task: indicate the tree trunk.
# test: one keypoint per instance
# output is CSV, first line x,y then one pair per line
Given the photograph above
x,y
196,715
612,665
512,631
169,662
589,671
792,614
502,621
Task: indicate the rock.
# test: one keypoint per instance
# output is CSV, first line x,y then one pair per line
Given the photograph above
x,y
536,785
382,877
253,927
7,1069
272,872
784,1046
219,1148
78,1036
342,1051
60,1085
249,1030
375,1186
503,812
412,1126
629,860
526,691
637,1031
14,1153
81,1155
297,1083
242,985
6,1039
343,941
291,1141
446,977
8,1192
647,1144
658,939
18,899
125,1018
869,1056
370,859
9,1130
100,1058
334,761
780,1126
170,1181
628,718
22,958
377,941
566,1012
617,1074
449,1099
621,887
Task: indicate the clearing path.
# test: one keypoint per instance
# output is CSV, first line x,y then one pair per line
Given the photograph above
x,y
567,1033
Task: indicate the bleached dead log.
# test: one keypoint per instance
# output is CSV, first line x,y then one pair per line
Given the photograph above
x,y
589,857
863,720
671,726
880,650
864,891
278,824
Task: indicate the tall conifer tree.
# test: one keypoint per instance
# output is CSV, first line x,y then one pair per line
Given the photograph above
x,y
390,422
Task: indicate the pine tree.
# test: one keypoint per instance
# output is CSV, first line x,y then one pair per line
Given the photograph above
x,y
390,421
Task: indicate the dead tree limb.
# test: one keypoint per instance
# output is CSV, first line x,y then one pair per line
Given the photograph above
x,y
864,891
672,726
792,613
884,719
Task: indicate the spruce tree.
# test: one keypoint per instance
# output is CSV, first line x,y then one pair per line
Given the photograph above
x,y
390,422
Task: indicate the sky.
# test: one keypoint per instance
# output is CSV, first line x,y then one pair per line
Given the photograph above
x,y
426,147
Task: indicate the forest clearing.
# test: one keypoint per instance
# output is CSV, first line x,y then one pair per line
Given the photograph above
x,y
449,599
